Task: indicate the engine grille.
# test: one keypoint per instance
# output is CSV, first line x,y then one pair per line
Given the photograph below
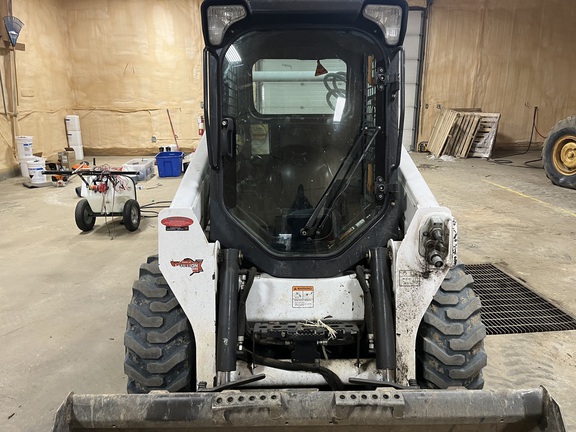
x,y
510,307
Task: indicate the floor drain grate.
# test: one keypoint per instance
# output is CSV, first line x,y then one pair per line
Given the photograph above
x,y
509,307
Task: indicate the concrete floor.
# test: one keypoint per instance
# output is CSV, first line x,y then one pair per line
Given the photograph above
x,y
64,293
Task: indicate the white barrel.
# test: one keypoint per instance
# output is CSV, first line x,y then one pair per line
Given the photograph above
x,y
78,152
35,168
72,123
24,145
24,166
74,138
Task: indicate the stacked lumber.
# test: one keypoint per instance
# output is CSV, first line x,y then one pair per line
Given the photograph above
x,y
464,133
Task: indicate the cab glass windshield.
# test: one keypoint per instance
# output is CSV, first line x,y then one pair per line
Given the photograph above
x,y
300,178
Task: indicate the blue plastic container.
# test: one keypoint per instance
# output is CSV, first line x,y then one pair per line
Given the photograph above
x,y
169,164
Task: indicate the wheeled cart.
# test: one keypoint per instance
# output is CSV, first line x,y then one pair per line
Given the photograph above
x,y
105,193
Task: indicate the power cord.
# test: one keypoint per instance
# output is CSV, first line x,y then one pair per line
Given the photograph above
x,y
148,210
508,162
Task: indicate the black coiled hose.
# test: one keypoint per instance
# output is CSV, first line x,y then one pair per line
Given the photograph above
x,y
331,378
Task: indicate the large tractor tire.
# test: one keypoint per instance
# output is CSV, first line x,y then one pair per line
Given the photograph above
x,y
160,352
450,347
559,153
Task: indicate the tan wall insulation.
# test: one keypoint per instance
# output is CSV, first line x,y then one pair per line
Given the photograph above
x,y
417,3
118,65
506,56
133,60
7,159
42,88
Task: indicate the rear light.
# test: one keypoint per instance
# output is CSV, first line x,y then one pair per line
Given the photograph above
x,y
220,18
388,18
177,222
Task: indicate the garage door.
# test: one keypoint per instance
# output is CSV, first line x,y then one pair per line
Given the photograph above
x,y
412,46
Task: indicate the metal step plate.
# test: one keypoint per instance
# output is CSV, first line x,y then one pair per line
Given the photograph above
x,y
509,306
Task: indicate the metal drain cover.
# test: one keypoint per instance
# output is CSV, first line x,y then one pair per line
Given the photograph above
x,y
510,307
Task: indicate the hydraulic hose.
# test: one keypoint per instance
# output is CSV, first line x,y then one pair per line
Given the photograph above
x,y
368,317
331,378
242,302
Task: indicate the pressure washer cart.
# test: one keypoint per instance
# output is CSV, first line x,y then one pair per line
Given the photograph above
x,y
105,193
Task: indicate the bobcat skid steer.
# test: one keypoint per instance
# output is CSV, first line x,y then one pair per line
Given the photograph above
x,y
306,276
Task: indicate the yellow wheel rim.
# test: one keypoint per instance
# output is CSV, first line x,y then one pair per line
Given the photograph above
x,y
564,155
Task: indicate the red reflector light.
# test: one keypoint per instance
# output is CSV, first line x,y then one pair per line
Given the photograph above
x,y
177,221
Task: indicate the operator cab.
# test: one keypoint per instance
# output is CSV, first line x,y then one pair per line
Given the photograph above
x,y
303,132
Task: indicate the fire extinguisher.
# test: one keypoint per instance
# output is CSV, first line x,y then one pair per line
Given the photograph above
x,y
200,125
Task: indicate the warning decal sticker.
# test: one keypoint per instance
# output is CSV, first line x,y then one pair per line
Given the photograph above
x,y
302,296
409,278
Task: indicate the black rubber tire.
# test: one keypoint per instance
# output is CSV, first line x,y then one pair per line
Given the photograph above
x,y
450,343
561,135
160,351
84,215
131,215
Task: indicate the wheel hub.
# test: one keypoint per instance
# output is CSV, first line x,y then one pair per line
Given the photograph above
x,y
569,155
134,215
565,155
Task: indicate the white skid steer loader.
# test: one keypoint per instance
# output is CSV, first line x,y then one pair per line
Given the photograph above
x,y
306,275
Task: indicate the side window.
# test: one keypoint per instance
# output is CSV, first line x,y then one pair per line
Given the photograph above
x,y
292,86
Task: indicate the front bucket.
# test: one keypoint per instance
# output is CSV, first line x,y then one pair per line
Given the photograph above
x,y
300,410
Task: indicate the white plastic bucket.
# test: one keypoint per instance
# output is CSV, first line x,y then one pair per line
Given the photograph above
x,y
72,123
24,166
78,152
35,168
74,138
24,145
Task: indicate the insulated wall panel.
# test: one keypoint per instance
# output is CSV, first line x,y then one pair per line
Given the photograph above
x,y
39,83
506,56
134,60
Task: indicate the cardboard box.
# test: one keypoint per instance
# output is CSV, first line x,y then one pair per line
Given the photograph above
x,y
67,158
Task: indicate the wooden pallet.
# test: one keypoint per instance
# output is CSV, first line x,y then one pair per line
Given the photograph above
x,y
463,133
442,131
485,137
467,133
